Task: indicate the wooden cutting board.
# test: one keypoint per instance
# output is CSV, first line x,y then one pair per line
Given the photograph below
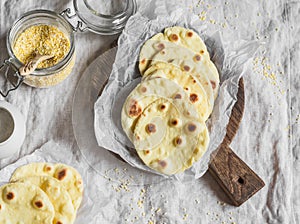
x,y
236,178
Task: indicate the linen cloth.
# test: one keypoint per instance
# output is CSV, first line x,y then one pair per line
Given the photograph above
x,y
267,140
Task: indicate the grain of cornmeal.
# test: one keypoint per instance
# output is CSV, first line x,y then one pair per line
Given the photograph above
x,y
44,39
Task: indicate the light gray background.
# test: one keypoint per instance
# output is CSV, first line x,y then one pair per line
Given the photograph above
x,y
267,140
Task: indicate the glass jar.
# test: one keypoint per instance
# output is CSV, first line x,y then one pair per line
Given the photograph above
x,y
104,17
55,74
89,16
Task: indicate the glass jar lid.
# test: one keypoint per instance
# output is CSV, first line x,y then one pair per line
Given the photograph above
x,y
105,17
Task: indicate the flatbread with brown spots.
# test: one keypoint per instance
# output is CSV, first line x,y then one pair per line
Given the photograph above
x,y
25,203
203,70
176,35
58,195
67,175
194,89
190,54
167,139
147,92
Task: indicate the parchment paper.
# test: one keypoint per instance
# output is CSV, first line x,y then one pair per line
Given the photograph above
x,y
230,59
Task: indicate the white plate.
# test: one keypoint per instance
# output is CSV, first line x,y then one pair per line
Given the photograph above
x,y
103,161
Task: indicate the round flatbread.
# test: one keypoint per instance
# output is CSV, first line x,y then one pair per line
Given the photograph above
x,y
194,89
147,92
167,139
201,79
182,40
25,203
190,62
59,197
67,175
177,35
187,38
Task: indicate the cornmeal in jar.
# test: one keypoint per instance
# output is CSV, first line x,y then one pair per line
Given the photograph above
x,y
42,39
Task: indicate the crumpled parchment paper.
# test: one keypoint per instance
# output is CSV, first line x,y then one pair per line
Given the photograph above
x,y
230,59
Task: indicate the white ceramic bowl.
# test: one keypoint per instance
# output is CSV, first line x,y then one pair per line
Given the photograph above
x,y
12,129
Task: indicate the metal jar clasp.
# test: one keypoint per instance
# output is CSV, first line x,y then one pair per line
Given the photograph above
x,y
12,75
68,15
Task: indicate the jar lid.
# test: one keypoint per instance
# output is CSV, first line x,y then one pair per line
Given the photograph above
x,y
105,17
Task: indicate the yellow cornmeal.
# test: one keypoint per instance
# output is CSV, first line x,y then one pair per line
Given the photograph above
x,y
44,39
50,80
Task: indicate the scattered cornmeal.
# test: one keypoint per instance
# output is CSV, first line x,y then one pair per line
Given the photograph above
x,y
44,39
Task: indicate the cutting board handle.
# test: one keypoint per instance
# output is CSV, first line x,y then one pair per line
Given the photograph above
x,y
236,178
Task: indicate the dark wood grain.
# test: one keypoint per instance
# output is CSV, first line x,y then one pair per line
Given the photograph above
x,y
237,179
236,114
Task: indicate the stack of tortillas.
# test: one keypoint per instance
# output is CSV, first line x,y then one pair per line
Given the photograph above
x,y
41,193
164,116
